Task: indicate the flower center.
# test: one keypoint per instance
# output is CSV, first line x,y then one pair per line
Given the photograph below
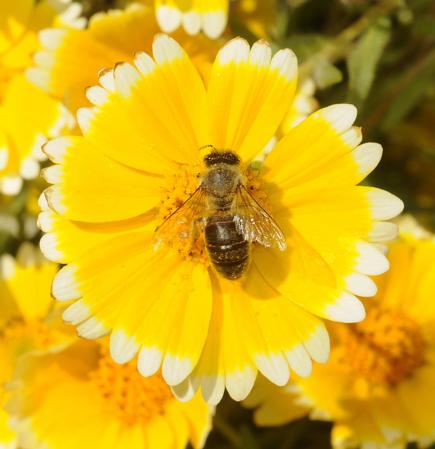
x,y
385,348
129,396
179,187
23,336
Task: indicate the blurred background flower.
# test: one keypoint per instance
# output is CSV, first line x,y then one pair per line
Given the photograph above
x,y
375,387
80,398
27,116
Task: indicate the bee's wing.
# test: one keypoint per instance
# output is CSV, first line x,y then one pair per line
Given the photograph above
x,y
254,223
182,222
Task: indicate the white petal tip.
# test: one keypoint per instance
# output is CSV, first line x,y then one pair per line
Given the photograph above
x,y
65,285
239,383
122,347
149,361
176,369
346,309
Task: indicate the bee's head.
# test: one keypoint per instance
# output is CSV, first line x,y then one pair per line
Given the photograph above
x,y
221,157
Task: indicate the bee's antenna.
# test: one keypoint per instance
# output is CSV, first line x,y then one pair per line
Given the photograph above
x,y
207,146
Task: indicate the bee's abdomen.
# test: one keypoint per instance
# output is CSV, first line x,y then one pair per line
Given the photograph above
x,y
227,249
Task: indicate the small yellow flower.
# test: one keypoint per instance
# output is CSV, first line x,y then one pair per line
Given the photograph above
x,y
69,59
381,375
140,158
209,16
27,115
258,16
80,398
24,304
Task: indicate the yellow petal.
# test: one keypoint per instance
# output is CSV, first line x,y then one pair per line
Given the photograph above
x,y
176,330
30,282
210,16
107,182
15,17
131,120
318,152
199,417
248,95
28,127
67,240
159,434
274,406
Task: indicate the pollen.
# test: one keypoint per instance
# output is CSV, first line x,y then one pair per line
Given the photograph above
x,y
255,185
127,395
26,335
179,186
386,348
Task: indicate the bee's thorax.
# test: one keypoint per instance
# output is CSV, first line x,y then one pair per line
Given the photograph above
x,y
220,183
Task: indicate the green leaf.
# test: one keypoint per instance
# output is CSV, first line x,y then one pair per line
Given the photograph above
x,y
326,74
364,58
409,96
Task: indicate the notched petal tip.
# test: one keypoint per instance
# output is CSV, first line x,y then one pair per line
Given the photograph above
x,y
144,63
97,95
384,205
166,49
169,18
236,51
239,383
122,347
286,63
340,116
261,54
274,367
176,369
76,313
51,38
370,260
39,77
126,78
106,79
55,199
84,118
149,361
65,285
92,329
318,344
56,149
346,309
214,23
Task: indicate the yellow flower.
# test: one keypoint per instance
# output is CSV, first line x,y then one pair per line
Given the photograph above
x,y
70,59
80,398
381,374
210,16
24,304
140,158
23,129
258,16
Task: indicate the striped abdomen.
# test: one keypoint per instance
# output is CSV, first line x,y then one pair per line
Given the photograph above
x,y
227,249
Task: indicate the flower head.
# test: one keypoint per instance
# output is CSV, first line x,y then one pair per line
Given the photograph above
x,y
25,302
141,156
81,392
382,370
209,16
69,59
24,129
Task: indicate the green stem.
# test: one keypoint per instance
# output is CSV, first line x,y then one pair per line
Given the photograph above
x,y
339,47
227,431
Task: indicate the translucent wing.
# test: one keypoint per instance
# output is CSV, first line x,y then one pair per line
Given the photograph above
x,y
182,222
254,222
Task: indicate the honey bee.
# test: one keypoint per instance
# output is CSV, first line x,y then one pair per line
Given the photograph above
x,y
230,217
